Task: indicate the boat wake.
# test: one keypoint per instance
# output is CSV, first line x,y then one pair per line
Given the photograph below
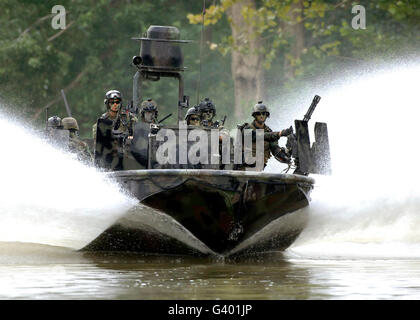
x,y
345,223
370,206
150,220
48,197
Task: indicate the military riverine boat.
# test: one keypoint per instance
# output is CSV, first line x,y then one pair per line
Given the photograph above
x,y
200,208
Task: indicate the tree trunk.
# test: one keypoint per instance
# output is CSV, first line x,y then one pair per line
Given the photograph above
x,y
247,68
296,32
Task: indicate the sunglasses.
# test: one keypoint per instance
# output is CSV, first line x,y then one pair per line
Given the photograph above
x,y
194,119
115,101
260,113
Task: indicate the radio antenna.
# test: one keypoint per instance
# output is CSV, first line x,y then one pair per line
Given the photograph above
x,y
201,48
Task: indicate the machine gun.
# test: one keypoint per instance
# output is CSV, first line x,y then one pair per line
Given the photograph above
x,y
311,109
292,140
315,159
164,118
155,127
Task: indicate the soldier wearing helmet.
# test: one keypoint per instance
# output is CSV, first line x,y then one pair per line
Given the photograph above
x,y
149,111
70,124
147,124
260,113
193,116
207,112
123,121
54,122
77,146
55,133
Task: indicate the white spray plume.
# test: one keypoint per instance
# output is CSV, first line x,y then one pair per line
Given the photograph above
x,y
370,206
48,197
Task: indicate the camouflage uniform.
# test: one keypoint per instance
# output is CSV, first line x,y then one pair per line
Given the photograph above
x,y
271,145
271,142
140,142
75,145
80,148
123,122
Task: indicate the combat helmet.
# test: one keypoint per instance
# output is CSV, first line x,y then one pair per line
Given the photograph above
x,y
148,106
192,111
112,94
70,123
54,122
260,107
205,106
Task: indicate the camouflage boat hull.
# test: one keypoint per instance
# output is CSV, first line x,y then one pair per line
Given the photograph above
x,y
223,209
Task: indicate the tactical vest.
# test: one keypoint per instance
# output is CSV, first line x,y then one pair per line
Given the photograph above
x,y
267,153
80,148
123,122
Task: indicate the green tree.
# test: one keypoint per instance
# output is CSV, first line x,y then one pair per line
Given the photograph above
x,y
92,55
300,38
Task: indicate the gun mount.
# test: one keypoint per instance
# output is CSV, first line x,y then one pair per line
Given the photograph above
x,y
315,159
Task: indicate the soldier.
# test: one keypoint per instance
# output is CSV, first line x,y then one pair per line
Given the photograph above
x,y
77,146
271,147
193,116
149,111
146,125
54,122
123,122
207,112
115,133
55,133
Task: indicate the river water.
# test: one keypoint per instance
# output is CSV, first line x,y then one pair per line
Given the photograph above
x,y
43,272
362,240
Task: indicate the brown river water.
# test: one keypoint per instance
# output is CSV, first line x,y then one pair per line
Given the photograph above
x,y
29,271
